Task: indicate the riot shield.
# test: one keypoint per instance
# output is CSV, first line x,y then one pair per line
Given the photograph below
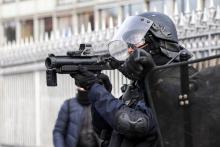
x,y
187,102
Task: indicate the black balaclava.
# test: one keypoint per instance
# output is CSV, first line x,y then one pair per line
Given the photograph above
x,y
154,48
82,97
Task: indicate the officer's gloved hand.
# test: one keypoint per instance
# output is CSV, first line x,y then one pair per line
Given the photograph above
x,y
115,64
84,78
138,64
104,79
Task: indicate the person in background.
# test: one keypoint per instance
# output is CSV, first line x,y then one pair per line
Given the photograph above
x,y
73,127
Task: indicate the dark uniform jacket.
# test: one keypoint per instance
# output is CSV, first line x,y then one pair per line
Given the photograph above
x,y
133,127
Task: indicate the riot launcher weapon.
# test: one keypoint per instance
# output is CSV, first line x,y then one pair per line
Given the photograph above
x,y
70,63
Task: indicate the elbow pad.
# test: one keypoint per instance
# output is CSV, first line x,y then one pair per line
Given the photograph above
x,y
131,123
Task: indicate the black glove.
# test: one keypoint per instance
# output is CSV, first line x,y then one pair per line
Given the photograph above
x,y
104,79
115,63
84,78
137,65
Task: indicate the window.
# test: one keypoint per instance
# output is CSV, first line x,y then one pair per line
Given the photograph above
x,y
182,5
126,11
86,18
83,0
27,28
192,5
63,2
106,14
137,8
216,2
8,1
156,5
207,3
10,31
133,9
48,25
65,23
45,25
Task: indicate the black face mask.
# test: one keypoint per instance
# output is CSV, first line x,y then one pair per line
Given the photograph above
x,y
82,97
153,48
153,44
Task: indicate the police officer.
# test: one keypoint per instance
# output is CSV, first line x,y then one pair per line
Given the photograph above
x,y
142,42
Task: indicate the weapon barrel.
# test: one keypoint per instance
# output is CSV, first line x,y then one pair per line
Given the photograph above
x,y
58,61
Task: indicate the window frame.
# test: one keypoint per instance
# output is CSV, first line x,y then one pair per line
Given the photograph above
x,y
8,1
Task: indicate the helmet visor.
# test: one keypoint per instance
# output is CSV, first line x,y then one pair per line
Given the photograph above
x,y
131,32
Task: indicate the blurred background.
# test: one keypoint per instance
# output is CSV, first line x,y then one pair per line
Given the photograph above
x,y
30,29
